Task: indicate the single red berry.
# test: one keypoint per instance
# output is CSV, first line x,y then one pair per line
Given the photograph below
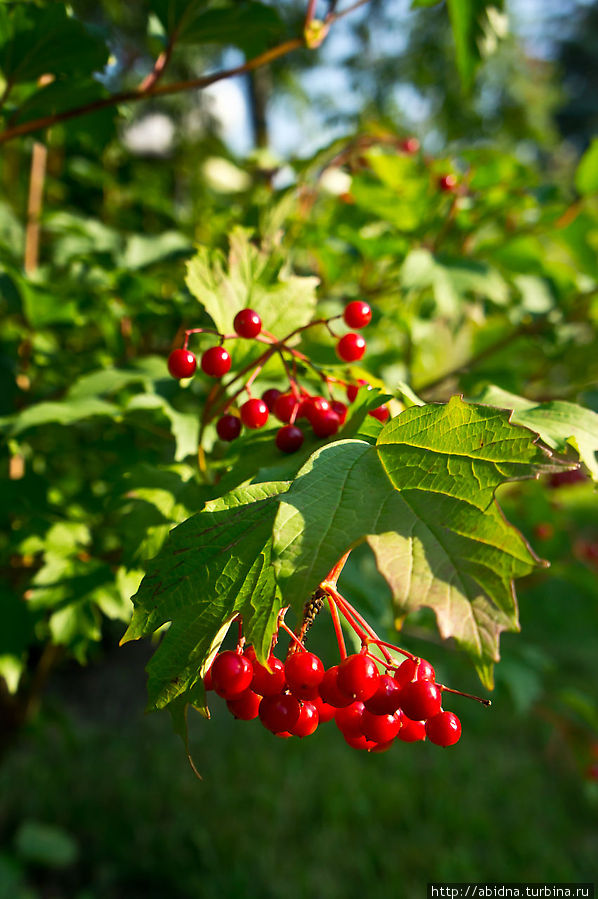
x,y
348,720
269,397
307,722
447,183
215,362
284,407
544,530
351,347
340,409
315,406
414,669
443,729
325,424
330,692
207,681
380,728
228,427
182,363
421,699
385,700
360,742
411,731
358,676
289,438
268,683
382,413
246,706
247,323
564,478
304,408
254,413
303,671
410,145
232,674
279,713
357,314
325,711
352,389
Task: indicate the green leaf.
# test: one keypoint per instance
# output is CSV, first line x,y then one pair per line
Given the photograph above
x,y
142,250
184,425
476,26
215,565
64,413
422,497
284,301
45,844
586,176
37,40
251,26
558,423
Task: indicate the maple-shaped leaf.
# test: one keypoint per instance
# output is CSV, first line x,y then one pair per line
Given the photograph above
x,y
422,496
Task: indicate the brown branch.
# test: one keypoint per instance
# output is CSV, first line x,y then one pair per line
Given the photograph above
x,y
149,87
39,158
155,90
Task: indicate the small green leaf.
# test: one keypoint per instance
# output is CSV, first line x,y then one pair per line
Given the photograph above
x,y
586,176
57,413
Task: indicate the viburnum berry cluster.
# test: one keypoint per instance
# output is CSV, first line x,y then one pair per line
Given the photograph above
x,y
233,404
373,698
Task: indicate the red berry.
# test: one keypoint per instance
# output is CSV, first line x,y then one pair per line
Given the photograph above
x,y
254,413
414,669
421,699
303,671
246,706
340,409
269,397
279,713
358,676
352,389
357,314
380,728
228,427
231,674
382,413
325,711
315,406
381,747
215,362
410,145
330,691
348,720
351,347
447,183
289,439
544,530
411,731
360,742
307,722
325,423
182,363
268,683
443,729
385,700
564,478
284,406
247,323
207,681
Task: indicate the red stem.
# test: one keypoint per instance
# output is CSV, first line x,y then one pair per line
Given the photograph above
x,y
338,630
286,628
485,702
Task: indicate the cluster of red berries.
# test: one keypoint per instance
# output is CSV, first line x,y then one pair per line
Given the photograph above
x,y
325,415
370,709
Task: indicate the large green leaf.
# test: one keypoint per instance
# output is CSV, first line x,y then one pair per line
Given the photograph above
x,y
586,176
422,496
214,565
37,40
557,422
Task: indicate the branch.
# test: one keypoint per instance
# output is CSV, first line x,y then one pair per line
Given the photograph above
x,y
154,91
